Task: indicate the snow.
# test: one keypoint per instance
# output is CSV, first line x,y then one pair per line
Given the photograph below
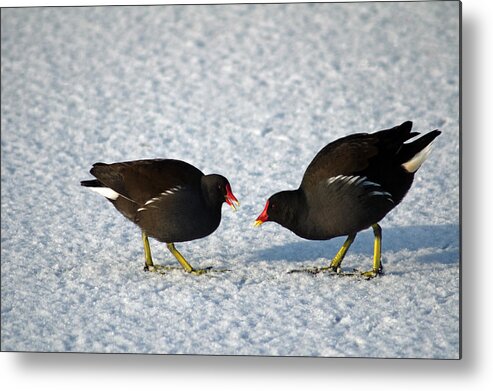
x,y
251,92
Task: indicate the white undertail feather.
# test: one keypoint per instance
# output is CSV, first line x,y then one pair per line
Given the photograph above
x,y
106,192
417,160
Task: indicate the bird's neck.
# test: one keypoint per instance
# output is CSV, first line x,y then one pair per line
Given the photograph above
x,y
295,210
211,197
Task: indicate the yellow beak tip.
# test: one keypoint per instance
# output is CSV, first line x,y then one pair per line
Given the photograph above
x,y
258,223
233,204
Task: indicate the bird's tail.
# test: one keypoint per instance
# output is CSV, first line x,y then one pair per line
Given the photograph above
x,y
91,183
413,154
100,188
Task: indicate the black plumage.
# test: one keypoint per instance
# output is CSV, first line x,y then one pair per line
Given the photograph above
x,y
350,185
170,200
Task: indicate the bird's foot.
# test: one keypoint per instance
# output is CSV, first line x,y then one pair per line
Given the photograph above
x,y
198,272
368,275
315,270
161,269
371,273
338,271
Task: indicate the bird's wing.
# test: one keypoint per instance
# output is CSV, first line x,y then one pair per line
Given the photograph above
x,y
142,180
181,198
345,156
354,196
353,154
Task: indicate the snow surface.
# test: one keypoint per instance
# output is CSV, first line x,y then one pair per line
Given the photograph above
x,y
251,92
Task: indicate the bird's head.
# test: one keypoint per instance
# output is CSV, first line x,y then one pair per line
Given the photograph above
x,y
219,190
280,208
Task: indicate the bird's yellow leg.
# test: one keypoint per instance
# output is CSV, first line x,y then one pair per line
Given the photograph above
x,y
377,254
149,264
183,262
335,265
147,252
188,268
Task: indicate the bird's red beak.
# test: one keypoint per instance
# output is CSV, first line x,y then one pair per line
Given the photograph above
x,y
230,198
263,217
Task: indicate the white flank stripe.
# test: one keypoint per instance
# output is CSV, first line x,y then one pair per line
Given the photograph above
x,y
417,160
334,179
351,180
361,180
381,194
106,192
356,181
152,200
370,183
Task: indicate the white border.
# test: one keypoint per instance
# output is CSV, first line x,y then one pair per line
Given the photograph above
x,y
119,372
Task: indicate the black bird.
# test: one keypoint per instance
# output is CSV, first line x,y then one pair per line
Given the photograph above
x,y
350,185
170,200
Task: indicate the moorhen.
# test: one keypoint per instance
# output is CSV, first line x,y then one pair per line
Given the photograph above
x,y
170,200
350,185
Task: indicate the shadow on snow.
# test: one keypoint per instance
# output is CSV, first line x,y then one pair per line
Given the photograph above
x,y
443,238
